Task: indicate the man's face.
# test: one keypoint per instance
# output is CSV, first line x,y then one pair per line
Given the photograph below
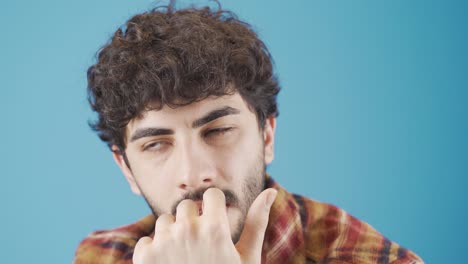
x,y
178,153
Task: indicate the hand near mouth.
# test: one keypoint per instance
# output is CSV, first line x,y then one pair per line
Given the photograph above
x,y
191,237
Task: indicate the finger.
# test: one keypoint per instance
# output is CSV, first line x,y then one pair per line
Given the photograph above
x,y
163,223
251,240
186,209
214,204
140,248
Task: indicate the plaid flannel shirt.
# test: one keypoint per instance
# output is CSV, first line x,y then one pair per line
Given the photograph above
x,y
300,230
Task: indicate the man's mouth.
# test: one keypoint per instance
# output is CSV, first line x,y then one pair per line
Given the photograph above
x,y
200,206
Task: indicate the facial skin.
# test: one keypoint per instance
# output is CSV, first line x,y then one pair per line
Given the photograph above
x,y
178,153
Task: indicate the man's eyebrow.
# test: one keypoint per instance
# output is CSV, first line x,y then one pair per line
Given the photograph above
x,y
215,114
155,131
150,132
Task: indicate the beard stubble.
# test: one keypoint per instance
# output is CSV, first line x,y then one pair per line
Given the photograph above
x,y
252,186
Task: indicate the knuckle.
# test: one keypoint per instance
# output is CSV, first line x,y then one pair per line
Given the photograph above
x,y
185,229
164,222
214,230
142,250
143,241
162,246
165,218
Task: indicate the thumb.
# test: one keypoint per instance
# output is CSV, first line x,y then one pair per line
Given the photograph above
x,y
251,240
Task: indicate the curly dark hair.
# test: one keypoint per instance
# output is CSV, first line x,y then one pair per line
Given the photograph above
x,y
174,58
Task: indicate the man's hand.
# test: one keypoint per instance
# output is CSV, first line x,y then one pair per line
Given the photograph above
x,y
192,238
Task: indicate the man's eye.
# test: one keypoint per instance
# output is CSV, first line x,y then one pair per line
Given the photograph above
x,y
156,146
217,131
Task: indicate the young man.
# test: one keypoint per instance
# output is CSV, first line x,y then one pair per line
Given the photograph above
x,y
186,101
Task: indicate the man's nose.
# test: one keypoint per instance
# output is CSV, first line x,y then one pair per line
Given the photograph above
x,y
194,168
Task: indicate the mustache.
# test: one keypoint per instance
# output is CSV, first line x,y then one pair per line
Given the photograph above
x,y
231,198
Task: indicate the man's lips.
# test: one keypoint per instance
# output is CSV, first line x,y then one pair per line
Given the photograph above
x,y
200,206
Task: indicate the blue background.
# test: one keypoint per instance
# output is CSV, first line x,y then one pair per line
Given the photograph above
x,y
373,119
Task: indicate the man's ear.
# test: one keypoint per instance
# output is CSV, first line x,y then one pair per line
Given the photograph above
x,y
269,138
120,160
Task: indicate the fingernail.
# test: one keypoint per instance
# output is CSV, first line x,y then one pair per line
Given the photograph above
x,y
270,199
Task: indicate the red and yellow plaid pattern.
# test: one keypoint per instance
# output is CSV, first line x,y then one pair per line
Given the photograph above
x,y
300,230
